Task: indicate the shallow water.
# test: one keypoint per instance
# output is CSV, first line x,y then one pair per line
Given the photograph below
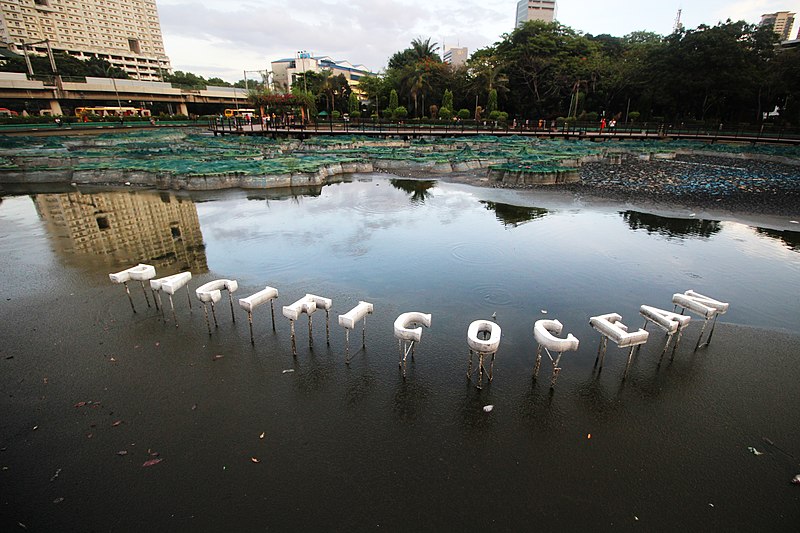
x,y
356,446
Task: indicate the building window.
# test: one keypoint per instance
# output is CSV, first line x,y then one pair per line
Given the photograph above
x,y
102,223
133,44
42,2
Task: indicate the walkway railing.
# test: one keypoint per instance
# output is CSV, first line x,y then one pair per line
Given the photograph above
x,y
655,130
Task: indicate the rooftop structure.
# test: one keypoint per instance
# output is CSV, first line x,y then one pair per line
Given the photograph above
x,y
780,22
126,33
544,10
285,71
456,57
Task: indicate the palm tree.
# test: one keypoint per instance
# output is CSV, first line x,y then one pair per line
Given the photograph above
x,y
425,49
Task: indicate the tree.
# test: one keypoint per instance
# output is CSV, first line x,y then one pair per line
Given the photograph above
x,y
447,99
186,80
491,105
393,103
353,104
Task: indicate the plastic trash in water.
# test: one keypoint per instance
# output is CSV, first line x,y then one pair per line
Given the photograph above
x,y
796,479
488,408
288,371
754,451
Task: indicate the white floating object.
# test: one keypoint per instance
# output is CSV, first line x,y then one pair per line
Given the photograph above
x,y
349,320
794,222
140,273
669,321
704,306
482,346
611,327
169,285
360,311
754,451
268,294
288,371
407,336
545,331
796,479
250,303
211,293
488,408
308,304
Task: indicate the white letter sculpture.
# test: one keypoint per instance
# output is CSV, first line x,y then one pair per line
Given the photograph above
x,y
611,327
251,302
140,273
407,336
210,293
702,305
544,332
170,284
308,304
669,321
348,321
484,346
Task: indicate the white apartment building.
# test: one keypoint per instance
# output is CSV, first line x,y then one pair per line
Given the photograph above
x,y
456,57
126,33
544,10
285,71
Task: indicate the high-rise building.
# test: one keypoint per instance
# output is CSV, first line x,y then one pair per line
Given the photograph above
x,y
126,33
286,72
456,57
544,10
780,22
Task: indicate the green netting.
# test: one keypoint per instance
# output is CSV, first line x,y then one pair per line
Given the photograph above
x,y
189,153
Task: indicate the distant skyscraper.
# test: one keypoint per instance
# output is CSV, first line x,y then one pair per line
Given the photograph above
x,y
125,33
780,22
456,56
544,10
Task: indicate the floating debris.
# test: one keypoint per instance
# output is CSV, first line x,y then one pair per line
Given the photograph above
x,y
255,460
754,451
796,479
288,371
152,462
488,408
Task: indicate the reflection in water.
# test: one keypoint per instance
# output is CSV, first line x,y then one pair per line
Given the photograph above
x,y
671,227
514,215
417,188
285,193
126,227
789,238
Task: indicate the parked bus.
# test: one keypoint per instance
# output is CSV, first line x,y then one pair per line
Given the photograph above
x,y
108,111
244,113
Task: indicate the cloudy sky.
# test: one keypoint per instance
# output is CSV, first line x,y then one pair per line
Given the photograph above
x,y
222,38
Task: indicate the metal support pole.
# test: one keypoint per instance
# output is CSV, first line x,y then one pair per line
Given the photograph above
x,y
214,314
173,310
469,365
250,321
189,296
208,324
230,298
346,345
294,341
272,310
327,328
601,351
538,362
159,303
127,290
310,337
144,291
700,338
364,334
